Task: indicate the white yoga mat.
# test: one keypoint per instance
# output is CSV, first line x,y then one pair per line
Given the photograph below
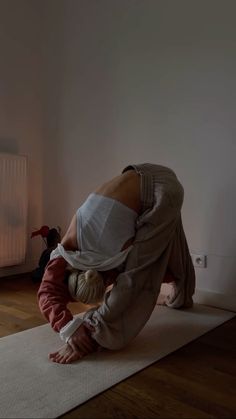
x,y
33,387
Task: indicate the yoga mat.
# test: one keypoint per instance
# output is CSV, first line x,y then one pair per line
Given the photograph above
x,y
33,387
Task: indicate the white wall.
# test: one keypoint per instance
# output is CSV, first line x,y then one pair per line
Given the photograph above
x,y
21,130
135,81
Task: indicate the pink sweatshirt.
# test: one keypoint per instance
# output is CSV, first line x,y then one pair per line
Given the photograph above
x,y
53,294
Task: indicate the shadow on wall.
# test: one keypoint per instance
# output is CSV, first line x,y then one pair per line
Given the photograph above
x,y
9,145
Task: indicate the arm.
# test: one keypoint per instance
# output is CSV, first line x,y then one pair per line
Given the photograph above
x,y
126,309
53,294
53,297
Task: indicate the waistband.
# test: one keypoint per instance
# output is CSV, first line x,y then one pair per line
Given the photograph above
x,y
150,175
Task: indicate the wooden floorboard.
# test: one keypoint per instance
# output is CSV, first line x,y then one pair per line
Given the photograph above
x,y
196,381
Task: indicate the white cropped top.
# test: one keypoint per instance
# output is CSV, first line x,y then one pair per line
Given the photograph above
x,y
104,225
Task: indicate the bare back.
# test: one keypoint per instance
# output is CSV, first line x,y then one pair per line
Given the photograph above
x,y
124,188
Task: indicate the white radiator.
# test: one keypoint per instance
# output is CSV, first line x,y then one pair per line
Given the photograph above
x,y
13,209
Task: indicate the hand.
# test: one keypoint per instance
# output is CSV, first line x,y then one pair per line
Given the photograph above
x,y
82,341
66,355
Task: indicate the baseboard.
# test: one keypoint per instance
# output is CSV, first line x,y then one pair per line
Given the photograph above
x,y
16,276
215,299
18,269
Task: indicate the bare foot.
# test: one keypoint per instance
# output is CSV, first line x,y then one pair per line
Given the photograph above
x,y
65,355
161,300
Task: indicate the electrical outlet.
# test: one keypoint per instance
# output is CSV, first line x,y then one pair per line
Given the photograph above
x,y
199,261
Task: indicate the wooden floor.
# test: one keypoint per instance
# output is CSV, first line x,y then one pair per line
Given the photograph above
x,y
196,381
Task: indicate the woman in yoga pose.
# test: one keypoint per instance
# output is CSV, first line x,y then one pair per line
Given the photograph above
x,y
121,245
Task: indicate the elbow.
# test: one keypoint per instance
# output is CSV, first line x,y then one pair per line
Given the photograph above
x,y
117,346
111,341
